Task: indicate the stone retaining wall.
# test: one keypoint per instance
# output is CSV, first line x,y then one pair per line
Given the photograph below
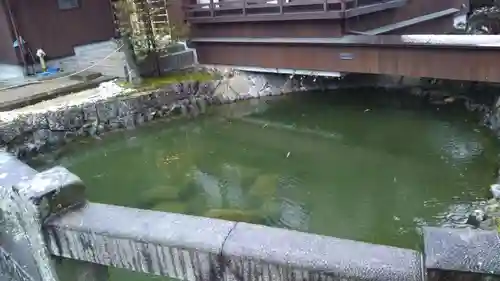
x,y
27,134
31,133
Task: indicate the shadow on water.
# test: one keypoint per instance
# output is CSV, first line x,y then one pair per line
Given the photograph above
x,y
362,165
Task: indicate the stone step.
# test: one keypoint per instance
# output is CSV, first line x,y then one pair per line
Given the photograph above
x,y
86,76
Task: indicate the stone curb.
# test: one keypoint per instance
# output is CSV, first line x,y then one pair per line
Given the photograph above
x,y
254,250
51,94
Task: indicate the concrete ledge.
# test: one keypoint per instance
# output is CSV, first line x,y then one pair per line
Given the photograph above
x,y
13,170
9,268
15,257
174,245
25,101
462,250
281,254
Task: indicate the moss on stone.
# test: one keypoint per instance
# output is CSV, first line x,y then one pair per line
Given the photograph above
x,y
235,215
171,207
248,175
497,223
169,79
161,193
265,186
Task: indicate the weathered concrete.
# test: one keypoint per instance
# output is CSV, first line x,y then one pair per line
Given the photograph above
x,y
23,253
14,248
33,93
253,251
461,254
174,245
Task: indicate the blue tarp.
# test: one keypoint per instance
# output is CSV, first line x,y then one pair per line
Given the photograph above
x,y
50,71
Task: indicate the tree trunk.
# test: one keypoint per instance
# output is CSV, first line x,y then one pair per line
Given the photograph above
x,y
133,73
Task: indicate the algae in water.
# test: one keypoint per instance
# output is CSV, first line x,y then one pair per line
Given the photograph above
x,y
264,186
236,215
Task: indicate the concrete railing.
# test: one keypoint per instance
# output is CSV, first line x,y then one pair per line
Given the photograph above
x,y
95,236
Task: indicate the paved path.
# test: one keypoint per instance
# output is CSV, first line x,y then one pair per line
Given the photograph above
x,y
29,90
29,94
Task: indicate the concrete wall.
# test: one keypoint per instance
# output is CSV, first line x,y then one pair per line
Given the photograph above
x,y
195,248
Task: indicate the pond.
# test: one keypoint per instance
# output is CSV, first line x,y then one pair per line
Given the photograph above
x,y
363,165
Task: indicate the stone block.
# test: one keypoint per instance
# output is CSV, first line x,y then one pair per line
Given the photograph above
x,y
255,252
70,118
174,245
85,76
461,254
107,110
206,88
20,235
53,191
13,170
9,131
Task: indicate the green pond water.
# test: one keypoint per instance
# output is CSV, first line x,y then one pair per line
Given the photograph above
x,y
360,166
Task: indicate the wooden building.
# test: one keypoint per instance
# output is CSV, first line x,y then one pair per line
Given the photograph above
x,y
57,27
333,37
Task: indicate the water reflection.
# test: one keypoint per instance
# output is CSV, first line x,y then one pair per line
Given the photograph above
x,y
293,215
211,188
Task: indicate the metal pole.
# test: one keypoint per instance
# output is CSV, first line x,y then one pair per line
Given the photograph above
x,y
16,33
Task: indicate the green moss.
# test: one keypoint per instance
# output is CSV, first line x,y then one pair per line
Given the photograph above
x,y
235,215
197,205
171,78
161,193
497,223
248,175
171,207
265,186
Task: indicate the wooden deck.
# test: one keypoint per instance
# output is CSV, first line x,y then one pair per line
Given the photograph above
x,y
279,10
443,57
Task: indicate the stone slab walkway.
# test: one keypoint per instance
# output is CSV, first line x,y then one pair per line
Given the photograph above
x,y
18,97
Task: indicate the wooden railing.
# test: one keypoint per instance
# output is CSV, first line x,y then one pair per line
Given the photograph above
x,y
244,10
